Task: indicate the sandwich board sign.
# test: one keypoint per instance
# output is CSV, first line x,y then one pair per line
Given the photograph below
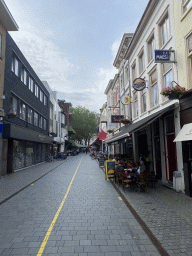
x,y
110,169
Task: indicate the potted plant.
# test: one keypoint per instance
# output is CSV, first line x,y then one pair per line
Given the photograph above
x,y
173,92
125,121
2,113
12,114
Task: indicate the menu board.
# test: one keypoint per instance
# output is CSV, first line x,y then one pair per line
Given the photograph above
x,y
110,169
101,162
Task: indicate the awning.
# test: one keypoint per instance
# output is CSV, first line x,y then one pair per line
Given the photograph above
x,y
74,144
185,133
119,136
70,130
97,142
148,120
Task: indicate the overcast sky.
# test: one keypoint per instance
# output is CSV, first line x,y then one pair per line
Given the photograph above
x,y
72,44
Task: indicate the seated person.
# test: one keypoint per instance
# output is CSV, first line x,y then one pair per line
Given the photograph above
x,y
142,167
120,167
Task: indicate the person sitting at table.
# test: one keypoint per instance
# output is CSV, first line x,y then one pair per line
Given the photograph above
x,y
119,167
142,167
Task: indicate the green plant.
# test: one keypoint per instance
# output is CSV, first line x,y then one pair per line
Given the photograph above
x,y
170,91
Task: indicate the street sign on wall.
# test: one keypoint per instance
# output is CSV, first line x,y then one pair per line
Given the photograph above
x,y
164,56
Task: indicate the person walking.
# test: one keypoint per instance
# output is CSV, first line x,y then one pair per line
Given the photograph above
x,y
86,150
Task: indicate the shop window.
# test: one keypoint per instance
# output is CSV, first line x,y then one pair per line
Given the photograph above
x,y
36,119
36,90
154,88
151,49
30,84
186,5
15,66
30,116
24,75
22,111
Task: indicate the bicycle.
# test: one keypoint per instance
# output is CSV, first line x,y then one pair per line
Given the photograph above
x,y
49,158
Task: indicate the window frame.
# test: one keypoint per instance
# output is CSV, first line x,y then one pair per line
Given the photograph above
x,y
149,48
15,110
30,117
143,94
22,111
41,95
152,86
36,118
13,65
184,5
141,61
36,90
136,105
189,59
31,84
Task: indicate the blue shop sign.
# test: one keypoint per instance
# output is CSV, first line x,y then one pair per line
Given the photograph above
x,y
162,56
1,128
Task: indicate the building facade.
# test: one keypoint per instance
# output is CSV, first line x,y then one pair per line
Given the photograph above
x,y
26,138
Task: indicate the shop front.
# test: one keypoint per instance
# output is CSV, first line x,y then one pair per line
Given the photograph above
x,y
23,147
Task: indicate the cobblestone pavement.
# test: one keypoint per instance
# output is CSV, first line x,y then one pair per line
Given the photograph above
x,y
93,220
168,215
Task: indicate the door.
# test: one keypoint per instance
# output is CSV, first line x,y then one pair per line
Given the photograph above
x,y
171,157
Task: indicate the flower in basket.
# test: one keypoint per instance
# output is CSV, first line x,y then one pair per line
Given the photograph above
x,y
126,121
12,113
110,131
173,92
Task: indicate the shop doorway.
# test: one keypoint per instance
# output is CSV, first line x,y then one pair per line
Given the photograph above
x,y
170,147
142,145
157,151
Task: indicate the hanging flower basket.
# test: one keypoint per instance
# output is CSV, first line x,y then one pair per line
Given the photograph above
x,y
110,131
2,114
173,92
12,114
126,121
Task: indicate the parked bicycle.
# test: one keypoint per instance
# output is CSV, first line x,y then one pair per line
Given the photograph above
x,y
49,158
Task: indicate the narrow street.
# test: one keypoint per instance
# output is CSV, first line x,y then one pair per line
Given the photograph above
x,y
82,212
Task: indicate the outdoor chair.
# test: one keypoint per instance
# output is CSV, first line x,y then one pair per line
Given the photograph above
x,y
142,182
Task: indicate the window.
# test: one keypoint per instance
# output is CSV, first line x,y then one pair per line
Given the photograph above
x,y
154,88
121,82
165,30
134,72
30,84
41,96
36,90
151,49
41,122
135,105
186,5
45,124
126,73
14,105
15,66
45,100
22,111
24,75
35,119
51,113
0,45
189,56
144,102
30,116
141,63
167,73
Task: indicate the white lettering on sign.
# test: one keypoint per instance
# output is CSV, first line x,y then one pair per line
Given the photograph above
x,y
162,57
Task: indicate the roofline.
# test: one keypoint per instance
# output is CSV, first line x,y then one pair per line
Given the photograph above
x,y
108,86
139,30
6,18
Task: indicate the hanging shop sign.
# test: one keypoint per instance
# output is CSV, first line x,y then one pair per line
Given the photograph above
x,y
163,56
116,118
139,84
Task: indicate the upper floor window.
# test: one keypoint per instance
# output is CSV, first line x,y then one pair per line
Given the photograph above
x,y
0,45
22,111
189,56
41,122
36,90
45,124
24,75
143,101
186,5
30,84
151,49
126,73
35,118
41,96
45,100
165,30
30,116
167,73
14,105
141,62
134,72
136,105
15,66
154,88
121,81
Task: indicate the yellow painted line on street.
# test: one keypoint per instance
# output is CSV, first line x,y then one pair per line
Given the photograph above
x,y
40,252
120,198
